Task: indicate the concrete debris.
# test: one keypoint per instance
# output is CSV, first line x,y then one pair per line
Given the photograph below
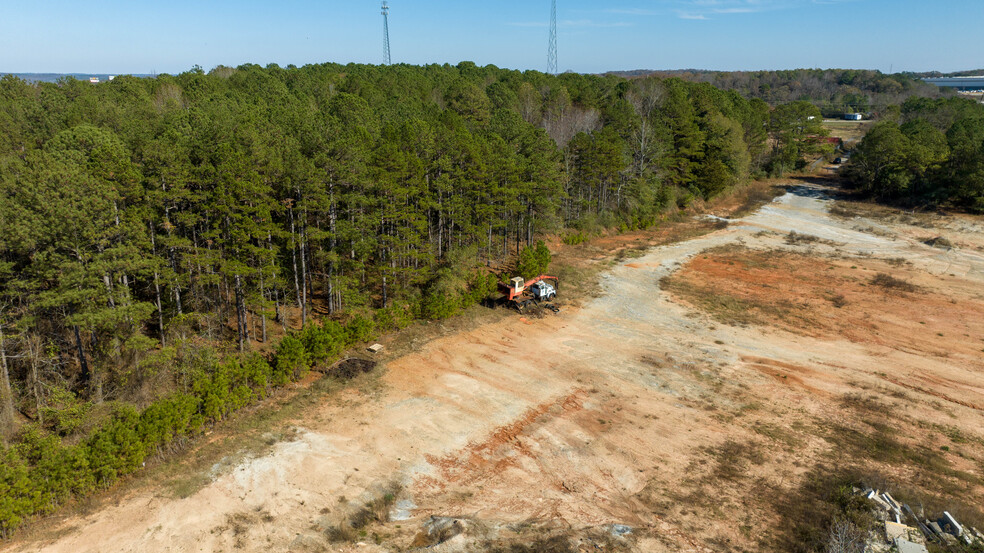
x,y
894,531
619,530
906,546
375,348
950,524
945,530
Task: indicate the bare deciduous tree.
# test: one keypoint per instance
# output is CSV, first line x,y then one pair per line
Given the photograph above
x,y
645,97
845,537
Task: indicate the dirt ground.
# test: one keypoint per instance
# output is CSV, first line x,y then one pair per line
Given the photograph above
x,y
682,409
851,132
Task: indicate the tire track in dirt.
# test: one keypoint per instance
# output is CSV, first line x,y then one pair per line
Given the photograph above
x,y
483,459
933,393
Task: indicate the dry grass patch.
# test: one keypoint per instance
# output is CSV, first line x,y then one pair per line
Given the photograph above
x,y
354,525
796,239
733,459
939,242
895,284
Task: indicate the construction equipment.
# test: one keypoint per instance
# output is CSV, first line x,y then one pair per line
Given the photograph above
x,y
520,294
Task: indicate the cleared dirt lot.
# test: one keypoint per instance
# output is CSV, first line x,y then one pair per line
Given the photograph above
x,y
690,418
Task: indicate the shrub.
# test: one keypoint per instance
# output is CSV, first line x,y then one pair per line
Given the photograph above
x,y
891,283
359,329
16,490
321,343
64,413
438,305
257,373
533,261
575,238
116,449
394,317
291,361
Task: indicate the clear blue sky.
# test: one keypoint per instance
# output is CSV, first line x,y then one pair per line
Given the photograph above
x,y
170,36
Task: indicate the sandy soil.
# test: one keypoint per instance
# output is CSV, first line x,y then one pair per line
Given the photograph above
x,y
639,408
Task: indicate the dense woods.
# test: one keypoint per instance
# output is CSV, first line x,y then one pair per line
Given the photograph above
x,y
834,91
928,152
157,234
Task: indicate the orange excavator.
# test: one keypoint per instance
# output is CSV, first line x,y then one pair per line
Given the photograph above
x,y
521,294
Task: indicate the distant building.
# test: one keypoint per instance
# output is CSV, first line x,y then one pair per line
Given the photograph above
x,y
93,80
959,83
111,77
852,116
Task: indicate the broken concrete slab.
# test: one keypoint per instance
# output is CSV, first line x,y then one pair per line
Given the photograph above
x,y
375,348
906,546
891,501
881,503
894,531
950,524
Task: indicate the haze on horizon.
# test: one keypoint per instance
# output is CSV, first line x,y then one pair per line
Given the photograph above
x,y
112,36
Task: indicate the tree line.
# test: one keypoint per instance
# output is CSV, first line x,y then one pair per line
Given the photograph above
x,y
926,152
834,91
154,232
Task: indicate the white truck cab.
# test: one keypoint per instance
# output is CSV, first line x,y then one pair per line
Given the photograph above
x,y
543,291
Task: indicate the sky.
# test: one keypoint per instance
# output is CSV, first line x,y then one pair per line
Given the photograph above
x,y
171,36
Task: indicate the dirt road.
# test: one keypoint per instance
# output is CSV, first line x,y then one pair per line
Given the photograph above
x,y
640,421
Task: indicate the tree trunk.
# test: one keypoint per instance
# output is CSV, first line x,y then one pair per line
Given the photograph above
x,y
263,297
304,281
240,316
33,351
293,255
157,288
6,394
109,290
83,364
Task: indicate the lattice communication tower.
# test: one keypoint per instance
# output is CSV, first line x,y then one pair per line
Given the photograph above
x,y
552,49
386,34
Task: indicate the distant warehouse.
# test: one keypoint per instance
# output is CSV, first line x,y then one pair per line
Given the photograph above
x,y
959,83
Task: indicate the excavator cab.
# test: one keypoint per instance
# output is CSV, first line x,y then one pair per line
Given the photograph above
x,y
518,284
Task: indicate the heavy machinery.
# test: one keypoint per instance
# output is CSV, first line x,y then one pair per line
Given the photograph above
x,y
520,293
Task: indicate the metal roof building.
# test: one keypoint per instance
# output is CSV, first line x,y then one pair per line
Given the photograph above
x,y
960,83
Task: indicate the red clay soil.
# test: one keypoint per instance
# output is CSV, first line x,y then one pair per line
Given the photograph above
x,y
836,298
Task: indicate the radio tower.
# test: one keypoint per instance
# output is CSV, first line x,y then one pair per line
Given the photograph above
x,y
552,49
386,34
